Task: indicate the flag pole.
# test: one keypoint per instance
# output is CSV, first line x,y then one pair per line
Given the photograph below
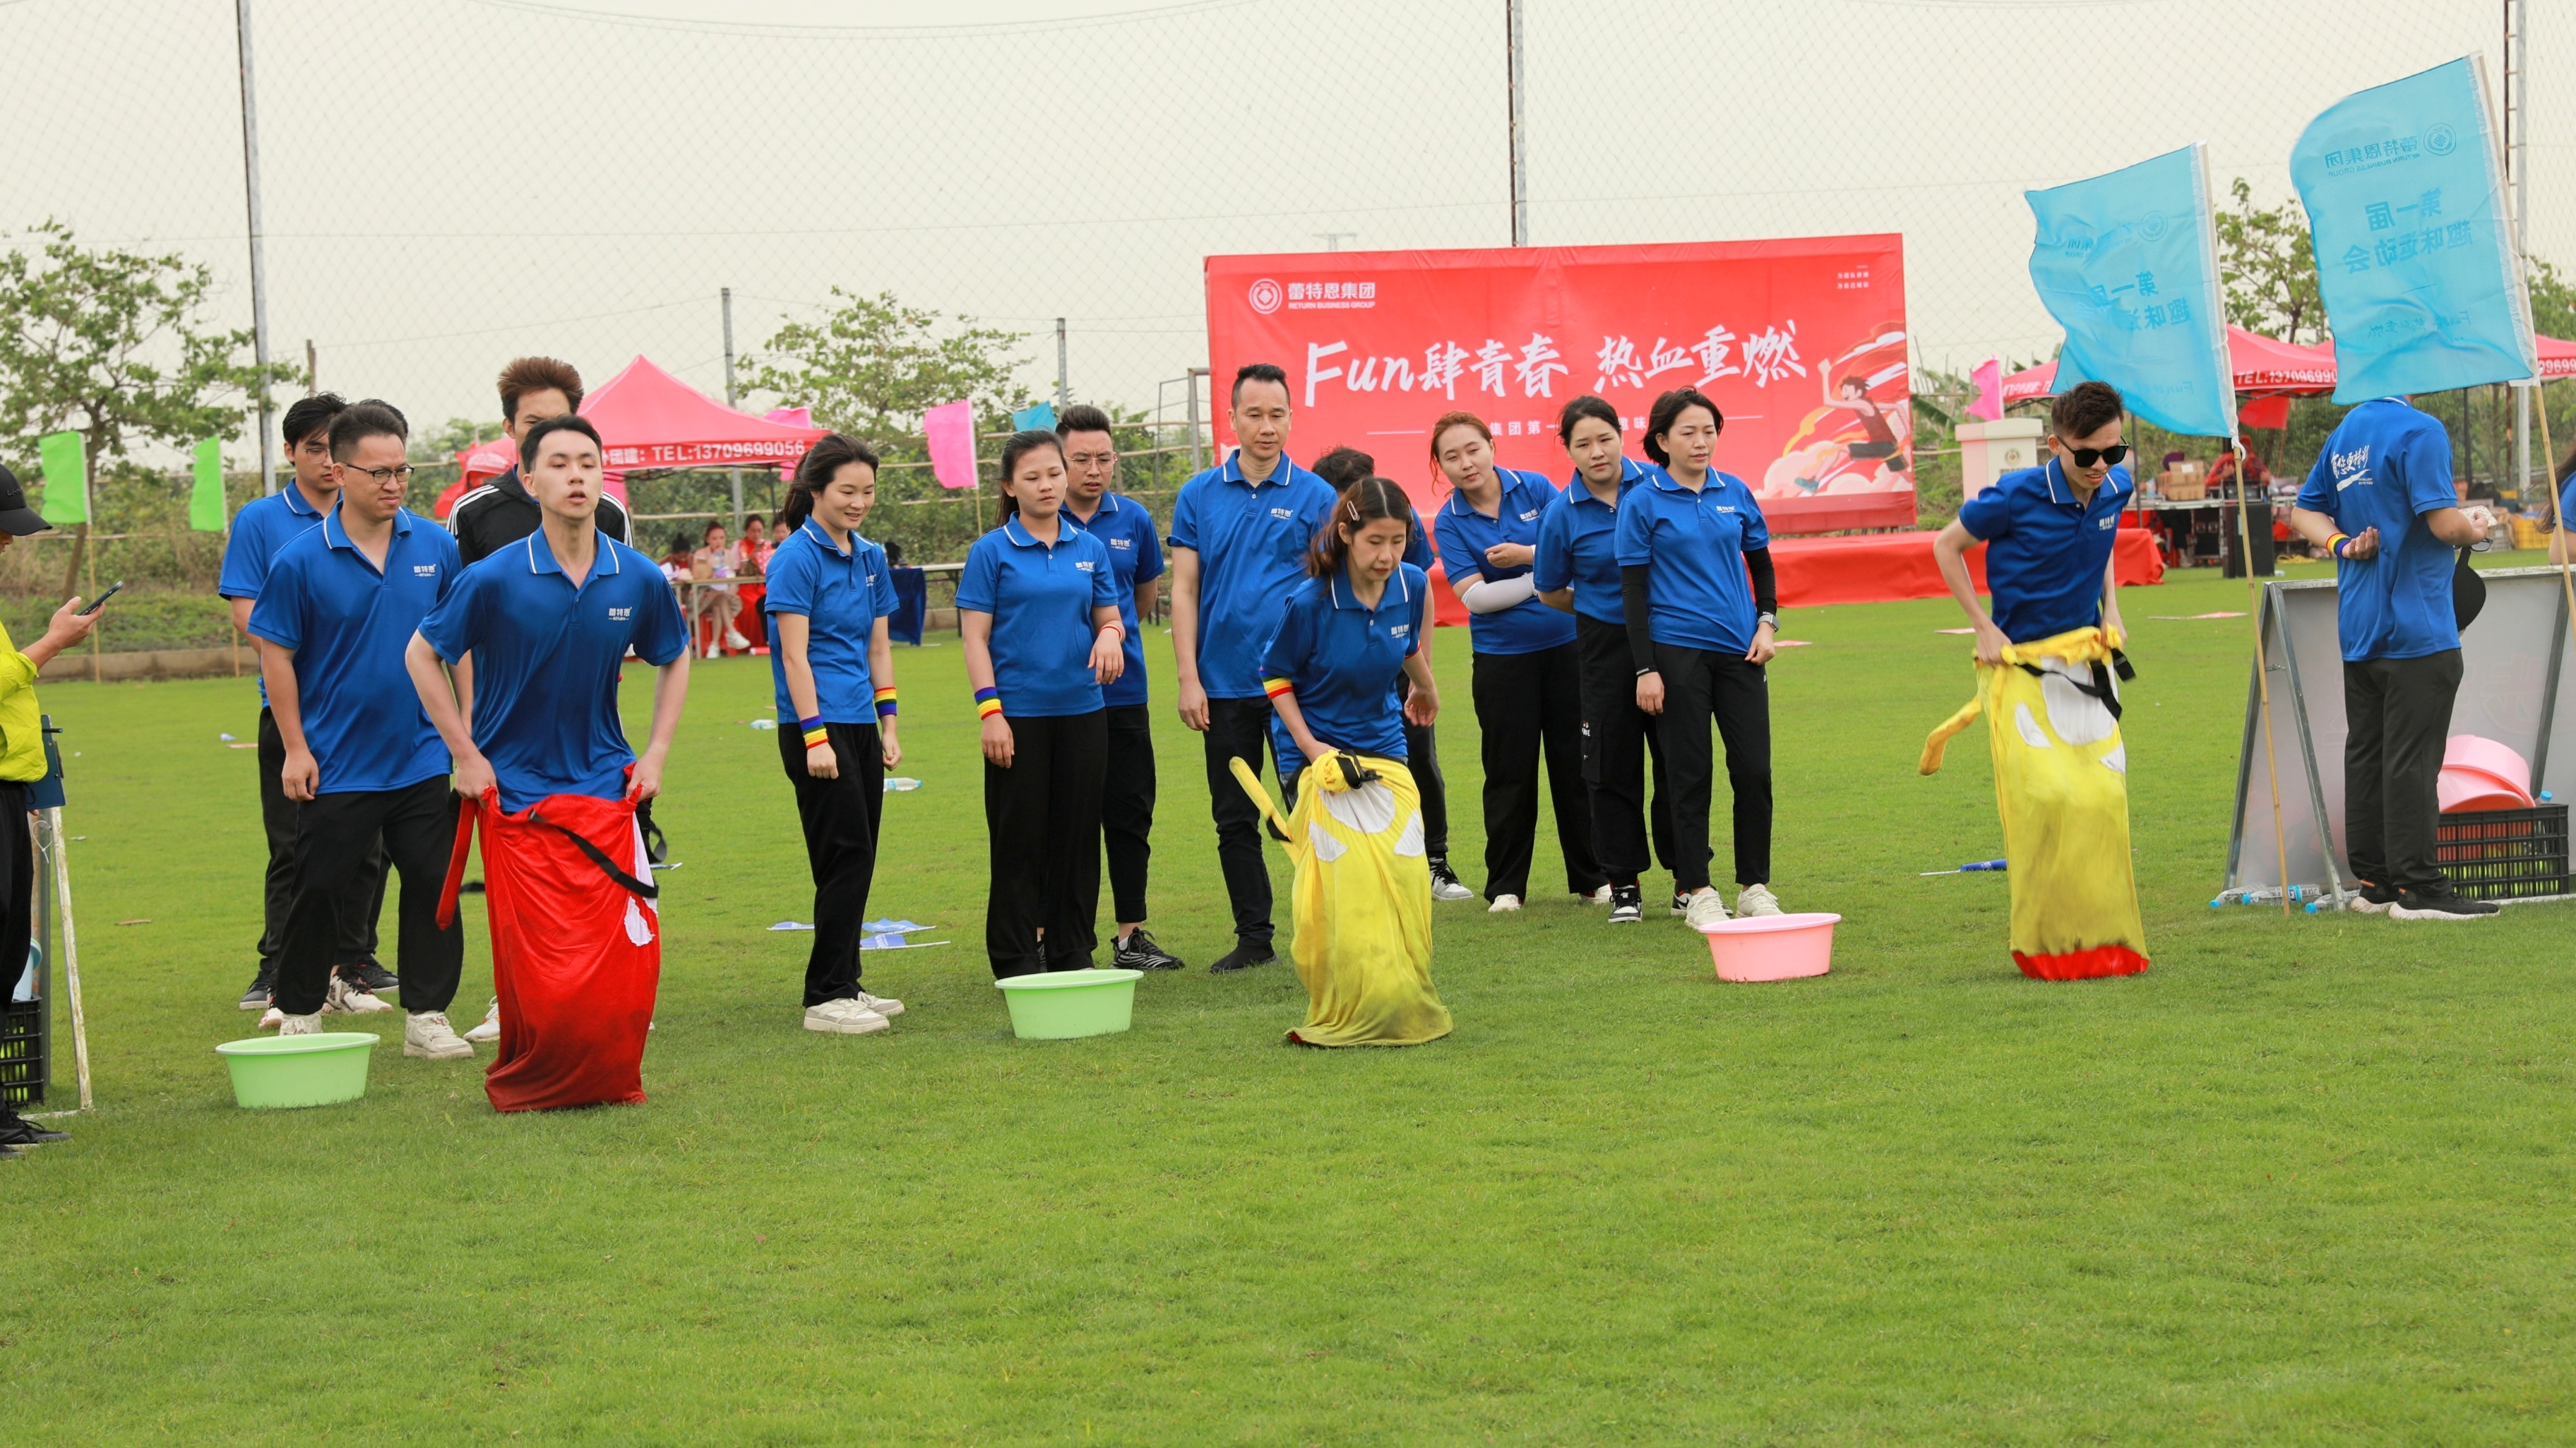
x,y
2262,667
2557,515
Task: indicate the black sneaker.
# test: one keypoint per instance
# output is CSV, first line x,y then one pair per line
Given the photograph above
x,y
1139,952
2375,899
1681,903
1627,905
17,1130
2439,903
262,986
1245,955
1445,884
373,978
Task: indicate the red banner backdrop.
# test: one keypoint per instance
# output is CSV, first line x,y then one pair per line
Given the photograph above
x,y
1801,343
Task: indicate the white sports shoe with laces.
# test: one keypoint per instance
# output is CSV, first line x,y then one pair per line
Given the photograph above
x,y
427,1034
1707,908
347,999
882,1005
843,1018
1757,900
300,1025
1504,905
490,1027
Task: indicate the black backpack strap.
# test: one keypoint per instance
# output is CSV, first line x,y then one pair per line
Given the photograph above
x,y
608,866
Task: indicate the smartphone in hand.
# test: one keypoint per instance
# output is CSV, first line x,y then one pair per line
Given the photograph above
x,y
100,602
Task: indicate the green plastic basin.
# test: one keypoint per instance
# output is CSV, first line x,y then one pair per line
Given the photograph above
x,y
1062,1004
321,1070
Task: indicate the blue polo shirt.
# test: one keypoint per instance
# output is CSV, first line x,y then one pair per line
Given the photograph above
x,y
1251,540
841,593
2386,466
1041,597
1342,660
546,658
1698,595
263,526
348,623
1135,556
1527,498
2045,551
1578,547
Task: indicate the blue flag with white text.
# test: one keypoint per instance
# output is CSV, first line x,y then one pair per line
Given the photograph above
x,y
2404,187
2128,264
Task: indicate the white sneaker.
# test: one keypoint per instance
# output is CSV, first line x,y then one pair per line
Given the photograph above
x,y
300,1025
1504,905
1707,908
270,1021
350,1000
881,1005
427,1034
735,640
1597,897
490,1029
843,1018
1757,900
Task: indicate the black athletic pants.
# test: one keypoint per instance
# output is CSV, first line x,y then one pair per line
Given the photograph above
x,y
1524,701
840,817
277,817
1618,741
1043,814
1240,729
1699,683
333,833
1422,757
2397,717
18,915
1127,806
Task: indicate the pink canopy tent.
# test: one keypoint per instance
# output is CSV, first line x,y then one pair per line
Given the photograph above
x,y
2262,366
649,419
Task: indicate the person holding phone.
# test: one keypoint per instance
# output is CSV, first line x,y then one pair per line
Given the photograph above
x,y
22,763
832,661
1038,608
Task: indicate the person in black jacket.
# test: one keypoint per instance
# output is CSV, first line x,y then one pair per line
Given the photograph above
x,y
502,511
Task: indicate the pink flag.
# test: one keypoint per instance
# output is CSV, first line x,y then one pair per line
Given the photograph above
x,y
949,428
1989,378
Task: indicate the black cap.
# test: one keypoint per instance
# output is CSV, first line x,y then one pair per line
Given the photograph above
x,y
15,516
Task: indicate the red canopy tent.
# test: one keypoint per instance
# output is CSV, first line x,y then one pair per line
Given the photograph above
x,y
2557,359
2262,366
649,419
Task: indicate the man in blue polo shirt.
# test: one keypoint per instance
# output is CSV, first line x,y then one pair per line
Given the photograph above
x,y
1127,784
1239,538
2381,500
262,527
548,619
2048,531
335,612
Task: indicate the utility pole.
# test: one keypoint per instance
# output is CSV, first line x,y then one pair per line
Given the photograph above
x,y
1063,393
735,474
258,244
1333,240
312,371
1520,140
2517,142
1195,374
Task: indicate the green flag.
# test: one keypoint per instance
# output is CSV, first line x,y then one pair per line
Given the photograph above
x,y
66,477
206,500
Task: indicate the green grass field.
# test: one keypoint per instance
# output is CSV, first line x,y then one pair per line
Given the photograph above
x,y
2304,1182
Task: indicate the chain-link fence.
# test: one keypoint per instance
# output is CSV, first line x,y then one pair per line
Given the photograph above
x,y
450,183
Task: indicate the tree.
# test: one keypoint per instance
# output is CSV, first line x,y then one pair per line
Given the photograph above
x,y
874,366
2553,300
2266,263
111,344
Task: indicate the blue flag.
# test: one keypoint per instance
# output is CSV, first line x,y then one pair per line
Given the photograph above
x,y
2404,188
1039,418
2128,264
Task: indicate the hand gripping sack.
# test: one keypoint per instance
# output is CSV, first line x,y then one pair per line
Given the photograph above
x,y
1362,903
576,949
2052,712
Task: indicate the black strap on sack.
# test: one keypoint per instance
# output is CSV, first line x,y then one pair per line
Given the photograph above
x,y
2101,688
607,866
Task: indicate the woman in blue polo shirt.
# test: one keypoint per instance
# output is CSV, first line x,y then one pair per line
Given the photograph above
x,y
1577,570
1527,688
829,594
1695,582
1038,607
1351,630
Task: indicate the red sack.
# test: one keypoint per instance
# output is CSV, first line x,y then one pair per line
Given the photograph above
x,y
576,949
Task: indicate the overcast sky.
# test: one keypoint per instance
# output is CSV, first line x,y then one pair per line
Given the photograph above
x,y
450,182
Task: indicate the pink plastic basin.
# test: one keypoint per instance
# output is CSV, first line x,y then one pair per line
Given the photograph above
x,y
2498,761
1772,947
2463,791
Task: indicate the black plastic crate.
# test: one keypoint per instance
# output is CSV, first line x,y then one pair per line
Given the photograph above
x,y
22,1052
2505,854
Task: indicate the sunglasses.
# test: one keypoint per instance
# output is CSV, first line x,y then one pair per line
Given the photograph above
x,y
2085,457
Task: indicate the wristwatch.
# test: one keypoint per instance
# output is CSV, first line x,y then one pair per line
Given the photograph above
x,y
1767,620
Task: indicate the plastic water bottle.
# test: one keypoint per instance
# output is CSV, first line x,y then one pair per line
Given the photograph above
x,y
900,784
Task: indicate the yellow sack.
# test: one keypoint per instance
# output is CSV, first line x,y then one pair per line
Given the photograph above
x,y
2061,784
1362,904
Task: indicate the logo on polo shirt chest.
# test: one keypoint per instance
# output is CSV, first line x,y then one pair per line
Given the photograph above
x,y
1122,542
1285,514
1397,631
1532,513
1085,565
424,570
2110,521
620,615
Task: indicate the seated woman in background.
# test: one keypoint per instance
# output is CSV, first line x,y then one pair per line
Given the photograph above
x,y
751,561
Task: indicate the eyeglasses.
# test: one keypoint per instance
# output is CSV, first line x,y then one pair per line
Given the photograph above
x,y
2085,457
400,474
1084,460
